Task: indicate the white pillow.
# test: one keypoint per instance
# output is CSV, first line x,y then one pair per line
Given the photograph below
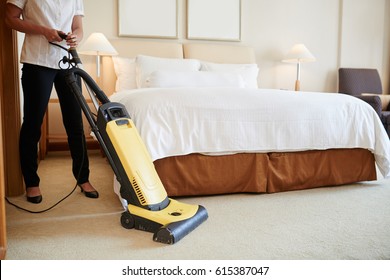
x,y
249,72
125,73
164,79
145,65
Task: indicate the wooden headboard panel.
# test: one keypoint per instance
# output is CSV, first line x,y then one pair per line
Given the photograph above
x,y
130,48
219,53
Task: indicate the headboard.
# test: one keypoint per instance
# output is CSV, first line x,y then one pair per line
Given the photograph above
x,y
220,53
217,53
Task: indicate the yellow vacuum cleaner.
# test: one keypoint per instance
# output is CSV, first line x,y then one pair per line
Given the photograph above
x,y
149,207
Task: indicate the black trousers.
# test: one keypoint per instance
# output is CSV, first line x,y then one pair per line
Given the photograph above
x,y
37,83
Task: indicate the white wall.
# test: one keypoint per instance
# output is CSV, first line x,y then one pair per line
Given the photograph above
x,y
273,27
338,32
364,36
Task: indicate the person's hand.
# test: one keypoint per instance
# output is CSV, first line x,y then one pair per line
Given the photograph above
x,y
71,40
52,35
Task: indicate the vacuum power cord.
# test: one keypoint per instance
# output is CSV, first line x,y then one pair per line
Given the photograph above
x,y
44,210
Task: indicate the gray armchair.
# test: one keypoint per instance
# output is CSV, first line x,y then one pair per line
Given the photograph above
x,y
366,84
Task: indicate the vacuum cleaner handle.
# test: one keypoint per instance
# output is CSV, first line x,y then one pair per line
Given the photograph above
x,y
74,62
63,35
72,50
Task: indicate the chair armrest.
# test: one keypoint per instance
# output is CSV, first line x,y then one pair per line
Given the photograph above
x,y
374,100
384,98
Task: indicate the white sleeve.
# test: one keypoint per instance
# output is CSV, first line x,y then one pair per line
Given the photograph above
x,y
79,8
18,3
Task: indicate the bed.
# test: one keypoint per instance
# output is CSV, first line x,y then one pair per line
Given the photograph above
x,y
210,129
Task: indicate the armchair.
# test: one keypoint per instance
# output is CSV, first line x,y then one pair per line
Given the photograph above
x,y
366,84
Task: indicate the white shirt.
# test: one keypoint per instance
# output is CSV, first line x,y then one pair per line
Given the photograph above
x,y
57,14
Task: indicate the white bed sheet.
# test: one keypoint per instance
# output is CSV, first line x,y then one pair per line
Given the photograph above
x,y
180,121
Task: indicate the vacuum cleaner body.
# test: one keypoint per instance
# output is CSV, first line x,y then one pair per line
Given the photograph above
x,y
149,207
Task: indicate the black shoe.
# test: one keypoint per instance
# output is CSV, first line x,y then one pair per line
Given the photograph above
x,y
34,199
91,194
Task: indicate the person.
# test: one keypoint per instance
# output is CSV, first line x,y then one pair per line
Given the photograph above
x,y
43,21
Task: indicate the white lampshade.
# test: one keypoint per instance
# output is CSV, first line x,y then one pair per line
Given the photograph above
x,y
97,44
299,53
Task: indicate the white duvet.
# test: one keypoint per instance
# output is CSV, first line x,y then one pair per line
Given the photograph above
x,y
179,121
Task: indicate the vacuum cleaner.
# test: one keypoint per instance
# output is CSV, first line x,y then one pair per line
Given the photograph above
x,y
149,207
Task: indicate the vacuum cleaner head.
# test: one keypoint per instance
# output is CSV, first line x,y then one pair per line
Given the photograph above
x,y
173,232
170,224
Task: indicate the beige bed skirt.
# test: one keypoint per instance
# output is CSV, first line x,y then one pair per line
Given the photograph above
x,y
197,174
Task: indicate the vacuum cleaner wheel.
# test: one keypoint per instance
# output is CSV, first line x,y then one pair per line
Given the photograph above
x,y
127,220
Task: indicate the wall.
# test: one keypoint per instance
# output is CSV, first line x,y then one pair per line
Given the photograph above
x,y
365,35
338,33
272,27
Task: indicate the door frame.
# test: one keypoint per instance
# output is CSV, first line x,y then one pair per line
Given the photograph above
x,y
11,182
10,107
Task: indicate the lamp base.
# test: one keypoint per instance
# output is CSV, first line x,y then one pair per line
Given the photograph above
x,y
297,85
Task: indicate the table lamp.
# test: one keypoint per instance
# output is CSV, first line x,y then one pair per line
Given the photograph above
x,y
98,45
299,53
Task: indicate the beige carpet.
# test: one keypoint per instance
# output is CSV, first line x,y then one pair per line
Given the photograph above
x,y
345,222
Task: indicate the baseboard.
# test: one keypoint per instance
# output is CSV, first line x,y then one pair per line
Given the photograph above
x,y
2,253
63,146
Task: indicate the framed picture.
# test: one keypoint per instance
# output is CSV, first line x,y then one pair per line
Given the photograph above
x,y
214,20
148,18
